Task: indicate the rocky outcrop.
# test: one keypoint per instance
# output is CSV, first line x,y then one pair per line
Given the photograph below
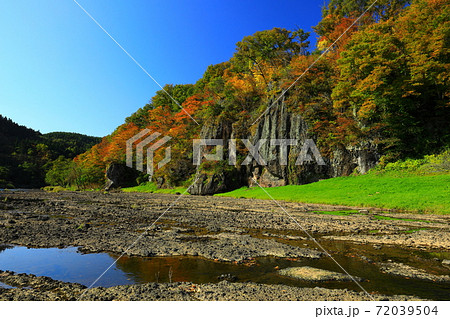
x,y
120,175
279,123
213,184
217,180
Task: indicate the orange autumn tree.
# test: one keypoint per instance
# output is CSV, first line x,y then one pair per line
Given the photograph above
x,y
182,130
341,18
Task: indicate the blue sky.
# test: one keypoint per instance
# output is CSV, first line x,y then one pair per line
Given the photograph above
x,y
60,72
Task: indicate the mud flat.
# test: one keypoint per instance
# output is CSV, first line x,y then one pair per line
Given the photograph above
x,y
216,228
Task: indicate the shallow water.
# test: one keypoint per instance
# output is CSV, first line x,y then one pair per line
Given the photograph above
x,y
70,265
20,190
63,264
3,285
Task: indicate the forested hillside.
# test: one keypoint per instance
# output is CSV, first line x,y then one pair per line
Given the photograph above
x,y
380,92
26,155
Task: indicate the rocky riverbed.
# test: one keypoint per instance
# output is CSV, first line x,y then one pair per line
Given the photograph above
x,y
216,228
30,287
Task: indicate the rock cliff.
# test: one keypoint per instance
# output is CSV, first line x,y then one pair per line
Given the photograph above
x,y
277,124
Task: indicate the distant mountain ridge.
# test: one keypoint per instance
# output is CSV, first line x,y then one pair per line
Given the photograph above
x,y
26,154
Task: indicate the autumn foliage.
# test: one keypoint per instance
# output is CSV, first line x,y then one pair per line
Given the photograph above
x,y
385,81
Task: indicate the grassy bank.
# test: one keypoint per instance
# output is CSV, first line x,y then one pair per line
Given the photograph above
x,y
421,185
429,194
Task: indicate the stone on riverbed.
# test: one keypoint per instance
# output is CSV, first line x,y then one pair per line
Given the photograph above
x,y
315,274
400,269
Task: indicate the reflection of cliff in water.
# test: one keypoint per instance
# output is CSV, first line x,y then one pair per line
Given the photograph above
x,y
154,269
264,271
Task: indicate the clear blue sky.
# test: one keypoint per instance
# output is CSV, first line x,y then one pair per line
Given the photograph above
x,y
60,72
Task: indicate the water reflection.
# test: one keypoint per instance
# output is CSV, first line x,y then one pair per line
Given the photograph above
x,y
5,286
62,264
70,265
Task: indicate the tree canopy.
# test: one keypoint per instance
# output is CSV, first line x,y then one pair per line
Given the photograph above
x,y
386,82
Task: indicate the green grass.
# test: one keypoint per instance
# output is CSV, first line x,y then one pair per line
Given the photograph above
x,y
410,231
379,217
152,188
420,193
337,213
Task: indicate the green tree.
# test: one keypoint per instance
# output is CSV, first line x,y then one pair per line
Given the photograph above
x,y
274,47
382,9
179,93
394,80
60,171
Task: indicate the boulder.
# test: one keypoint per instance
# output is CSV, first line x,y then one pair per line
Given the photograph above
x,y
120,175
212,184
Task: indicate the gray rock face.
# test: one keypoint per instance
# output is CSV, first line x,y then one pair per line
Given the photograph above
x,y
279,123
119,175
208,185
